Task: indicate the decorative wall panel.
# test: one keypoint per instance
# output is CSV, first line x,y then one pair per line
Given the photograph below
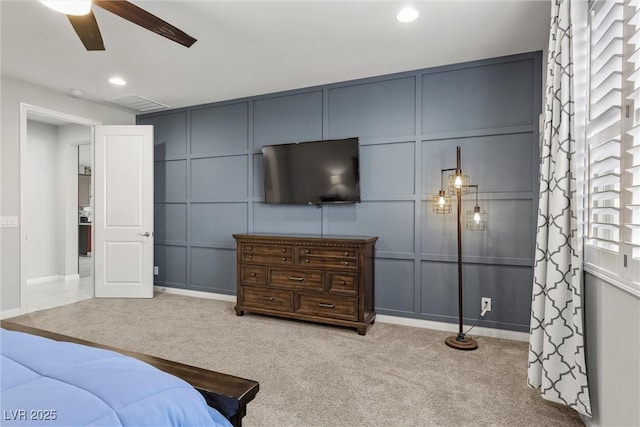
x,y
213,270
400,296
508,227
226,216
219,129
480,96
391,221
209,183
509,288
170,222
382,108
294,219
387,169
286,119
170,181
216,177
498,163
169,134
172,265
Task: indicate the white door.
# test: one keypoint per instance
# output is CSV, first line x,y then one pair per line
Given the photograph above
x,y
123,218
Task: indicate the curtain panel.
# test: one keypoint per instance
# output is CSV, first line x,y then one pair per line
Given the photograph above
x,y
556,348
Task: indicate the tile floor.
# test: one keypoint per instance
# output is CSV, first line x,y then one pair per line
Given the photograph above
x,y
54,294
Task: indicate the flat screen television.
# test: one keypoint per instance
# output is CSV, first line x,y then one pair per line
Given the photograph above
x,y
312,172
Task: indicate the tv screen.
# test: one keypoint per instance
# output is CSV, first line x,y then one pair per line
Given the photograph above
x,y
312,172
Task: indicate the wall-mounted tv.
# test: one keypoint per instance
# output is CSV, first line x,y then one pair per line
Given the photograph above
x,y
312,172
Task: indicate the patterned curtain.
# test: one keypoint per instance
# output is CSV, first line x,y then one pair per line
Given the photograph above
x,y
556,348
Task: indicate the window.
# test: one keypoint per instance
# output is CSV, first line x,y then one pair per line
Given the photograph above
x,y
613,142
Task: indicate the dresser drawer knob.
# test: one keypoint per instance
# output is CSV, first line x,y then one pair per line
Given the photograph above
x,y
250,256
284,258
297,279
325,305
345,262
307,260
267,298
250,248
342,282
307,251
284,249
253,274
346,254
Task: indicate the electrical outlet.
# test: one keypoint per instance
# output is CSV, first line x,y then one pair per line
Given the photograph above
x,y
485,304
155,270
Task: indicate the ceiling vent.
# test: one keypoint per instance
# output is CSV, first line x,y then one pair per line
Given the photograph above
x,y
137,103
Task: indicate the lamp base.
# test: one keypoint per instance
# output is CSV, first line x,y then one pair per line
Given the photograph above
x,y
460,342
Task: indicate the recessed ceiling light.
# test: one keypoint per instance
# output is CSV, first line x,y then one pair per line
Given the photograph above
x,y
72,7
117,81
407,14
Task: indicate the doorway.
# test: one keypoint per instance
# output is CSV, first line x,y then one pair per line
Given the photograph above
x,y
85,218
52,271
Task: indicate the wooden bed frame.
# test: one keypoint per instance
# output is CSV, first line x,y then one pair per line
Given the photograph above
x,y
228,394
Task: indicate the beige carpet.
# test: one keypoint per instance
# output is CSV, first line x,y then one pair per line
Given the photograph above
x,y
316,375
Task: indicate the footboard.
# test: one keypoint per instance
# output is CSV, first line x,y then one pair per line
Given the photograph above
x,y
228,394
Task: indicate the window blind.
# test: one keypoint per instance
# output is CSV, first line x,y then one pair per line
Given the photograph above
x,y
604,127
631,158
613,139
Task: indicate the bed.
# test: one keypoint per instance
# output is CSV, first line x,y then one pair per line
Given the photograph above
x,y
54,379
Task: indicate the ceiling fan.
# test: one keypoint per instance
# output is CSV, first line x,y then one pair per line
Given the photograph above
x,y
84,21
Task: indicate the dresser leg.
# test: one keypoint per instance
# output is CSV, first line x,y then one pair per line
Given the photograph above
x,y
362,330
239,312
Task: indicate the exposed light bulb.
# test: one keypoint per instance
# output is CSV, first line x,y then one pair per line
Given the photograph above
x,y
458,182
69,7
441,201
476,217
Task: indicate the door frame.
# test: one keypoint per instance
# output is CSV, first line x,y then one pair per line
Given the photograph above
x,y
25,111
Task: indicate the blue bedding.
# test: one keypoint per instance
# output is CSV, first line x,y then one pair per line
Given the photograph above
x,y
46,382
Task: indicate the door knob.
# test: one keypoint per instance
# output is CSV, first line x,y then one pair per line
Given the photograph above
x,y
147,234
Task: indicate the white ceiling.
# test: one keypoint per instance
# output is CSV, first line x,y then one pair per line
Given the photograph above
x,y
248,48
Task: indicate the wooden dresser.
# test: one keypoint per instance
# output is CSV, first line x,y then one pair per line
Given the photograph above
x,y
319,279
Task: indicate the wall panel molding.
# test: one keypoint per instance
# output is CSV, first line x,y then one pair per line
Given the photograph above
x,y
209,162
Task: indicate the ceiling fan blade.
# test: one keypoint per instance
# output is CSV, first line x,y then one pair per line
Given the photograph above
x,y
88,31
133,13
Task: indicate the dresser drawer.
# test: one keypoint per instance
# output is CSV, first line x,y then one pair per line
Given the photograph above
x,y
328,262
272,254
326,252
282,258
343,283
327,306
274,299
252,275
299,279
262,249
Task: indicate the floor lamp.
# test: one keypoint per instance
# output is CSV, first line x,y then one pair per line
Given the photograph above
x,y
476,220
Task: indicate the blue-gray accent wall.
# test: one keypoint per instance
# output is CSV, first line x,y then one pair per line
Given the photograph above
x,y
208,183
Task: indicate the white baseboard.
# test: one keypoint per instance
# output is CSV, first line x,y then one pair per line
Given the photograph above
x,y
10,313
196,294
44,279
452,327
57,278
397,320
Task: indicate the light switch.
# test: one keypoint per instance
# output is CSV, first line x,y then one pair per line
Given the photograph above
x,y
8,221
